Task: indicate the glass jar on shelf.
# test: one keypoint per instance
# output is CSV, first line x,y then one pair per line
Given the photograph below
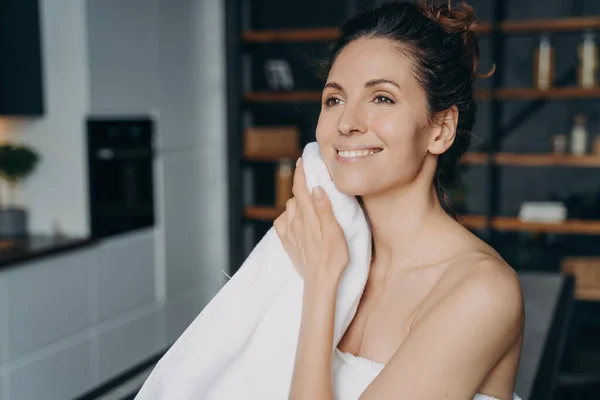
x,y
579,136
559,143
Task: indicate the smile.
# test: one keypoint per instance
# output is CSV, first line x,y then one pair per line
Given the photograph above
x,y
351,155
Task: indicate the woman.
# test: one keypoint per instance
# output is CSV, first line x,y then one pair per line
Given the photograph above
x,y
441,316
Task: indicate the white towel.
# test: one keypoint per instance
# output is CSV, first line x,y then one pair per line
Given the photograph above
x,y
243,343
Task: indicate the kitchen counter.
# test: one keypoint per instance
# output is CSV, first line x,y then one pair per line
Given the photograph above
x,y
15,251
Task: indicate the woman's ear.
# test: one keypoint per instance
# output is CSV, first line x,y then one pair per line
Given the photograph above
x,y
445,132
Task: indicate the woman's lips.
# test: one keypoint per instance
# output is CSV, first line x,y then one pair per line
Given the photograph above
x,y
346,156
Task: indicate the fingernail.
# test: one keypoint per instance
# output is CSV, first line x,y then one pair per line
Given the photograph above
x,y
298,161
317,192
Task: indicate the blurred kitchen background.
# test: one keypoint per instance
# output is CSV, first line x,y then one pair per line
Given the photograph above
x,y
147,145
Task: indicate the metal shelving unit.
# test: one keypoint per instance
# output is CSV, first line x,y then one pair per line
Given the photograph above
x,y
492,159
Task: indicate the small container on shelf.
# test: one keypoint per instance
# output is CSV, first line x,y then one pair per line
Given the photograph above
x,y
543,65
284,177
579,136
543,211
271,142
587,54
559,143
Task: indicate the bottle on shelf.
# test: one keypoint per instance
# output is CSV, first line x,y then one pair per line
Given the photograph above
x,y
579,136
559,143
283,182
543,70
588,61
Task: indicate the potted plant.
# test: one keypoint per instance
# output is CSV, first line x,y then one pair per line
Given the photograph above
x,y
16,163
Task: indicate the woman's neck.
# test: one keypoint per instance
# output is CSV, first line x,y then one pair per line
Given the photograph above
x,y
404,222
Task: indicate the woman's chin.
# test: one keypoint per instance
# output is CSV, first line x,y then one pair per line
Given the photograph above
x,y
351,187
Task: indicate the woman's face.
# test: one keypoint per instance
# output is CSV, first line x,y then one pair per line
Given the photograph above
x,y
373,129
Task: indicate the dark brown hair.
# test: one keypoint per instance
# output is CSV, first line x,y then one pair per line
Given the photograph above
x,y
443,48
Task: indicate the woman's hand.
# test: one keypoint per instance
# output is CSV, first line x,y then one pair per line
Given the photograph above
x,y
310,233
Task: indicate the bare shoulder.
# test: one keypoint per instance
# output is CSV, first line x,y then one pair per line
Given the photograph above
x,y
479,282
472,320
477,288
492,282
486,286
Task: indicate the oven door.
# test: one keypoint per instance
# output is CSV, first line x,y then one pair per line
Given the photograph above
x,y
121,186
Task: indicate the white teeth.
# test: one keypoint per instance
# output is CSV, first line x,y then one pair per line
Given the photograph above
x,y
355,153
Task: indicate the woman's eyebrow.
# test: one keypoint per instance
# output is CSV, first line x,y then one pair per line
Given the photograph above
x,y
374,82
334,85
370,83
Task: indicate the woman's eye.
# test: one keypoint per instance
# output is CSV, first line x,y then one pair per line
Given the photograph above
x,y
383,99
332,101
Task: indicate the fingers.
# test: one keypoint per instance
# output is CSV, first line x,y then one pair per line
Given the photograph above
x,y
283,222
280,224
304,200
290,209
324,210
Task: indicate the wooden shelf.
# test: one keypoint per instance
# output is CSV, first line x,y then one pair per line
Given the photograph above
x,y
561,93
312,96
568,24
586,271
514,224
474,158
587,294
262,213
473,221
291,35
583,227
547,160
533,160
271,157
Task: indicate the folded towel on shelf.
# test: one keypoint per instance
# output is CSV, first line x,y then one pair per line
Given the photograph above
x,y
243,343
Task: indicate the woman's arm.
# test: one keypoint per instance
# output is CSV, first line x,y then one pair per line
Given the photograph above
x,y
312,378
317,247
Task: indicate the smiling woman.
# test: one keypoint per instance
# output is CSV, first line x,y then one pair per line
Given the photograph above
x,y
441,315
429,78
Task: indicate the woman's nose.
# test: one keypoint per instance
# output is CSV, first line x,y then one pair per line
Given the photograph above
x,y
353,120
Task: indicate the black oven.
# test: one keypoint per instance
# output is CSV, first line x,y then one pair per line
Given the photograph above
x,y
121,179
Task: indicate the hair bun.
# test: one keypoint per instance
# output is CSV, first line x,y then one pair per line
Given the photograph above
x,y
457,19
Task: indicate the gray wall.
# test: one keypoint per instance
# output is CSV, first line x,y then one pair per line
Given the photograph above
x,y
123,56
193,144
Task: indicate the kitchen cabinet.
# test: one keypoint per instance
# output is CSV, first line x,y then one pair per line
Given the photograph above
x,y
21,85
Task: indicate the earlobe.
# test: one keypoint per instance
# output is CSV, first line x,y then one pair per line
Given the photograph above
x,y
444,132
